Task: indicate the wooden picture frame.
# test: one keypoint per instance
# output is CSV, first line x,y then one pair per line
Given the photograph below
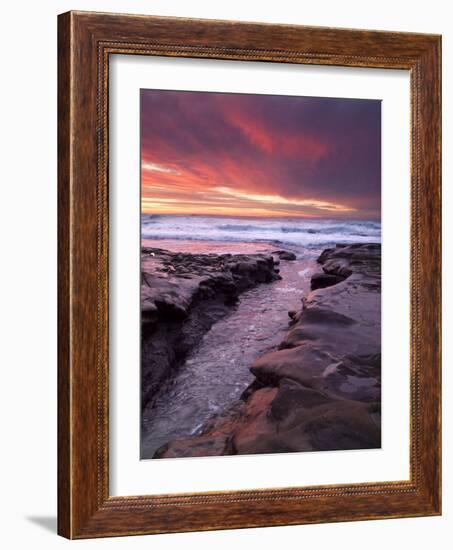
x,y
85,42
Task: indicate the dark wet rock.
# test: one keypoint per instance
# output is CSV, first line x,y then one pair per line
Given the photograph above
x,y
286,255
182,296
322,389
355,377
353,252
294,316
338,267
323,280
253,387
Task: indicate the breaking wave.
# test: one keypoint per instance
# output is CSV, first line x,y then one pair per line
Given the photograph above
x,y
298,232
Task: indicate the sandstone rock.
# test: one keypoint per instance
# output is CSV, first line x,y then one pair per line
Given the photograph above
x,y
208,445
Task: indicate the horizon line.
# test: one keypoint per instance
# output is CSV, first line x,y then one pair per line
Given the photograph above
x,y
306,218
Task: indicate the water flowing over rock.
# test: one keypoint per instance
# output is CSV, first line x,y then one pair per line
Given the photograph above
x,y
182,296
321,390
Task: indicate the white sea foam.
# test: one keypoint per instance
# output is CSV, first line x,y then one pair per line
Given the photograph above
x,y
298,232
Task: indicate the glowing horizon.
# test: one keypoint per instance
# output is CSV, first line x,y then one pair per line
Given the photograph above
x,y
255,155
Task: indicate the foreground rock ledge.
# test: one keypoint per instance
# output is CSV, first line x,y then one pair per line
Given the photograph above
x,y
321,390
182,296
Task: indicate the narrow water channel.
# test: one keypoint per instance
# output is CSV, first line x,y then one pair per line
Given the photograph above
x,y
216,372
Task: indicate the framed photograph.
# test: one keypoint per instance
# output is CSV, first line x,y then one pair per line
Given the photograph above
x,y
249,275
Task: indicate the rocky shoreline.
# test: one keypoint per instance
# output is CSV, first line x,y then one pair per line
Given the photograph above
x,y
321,390
182,296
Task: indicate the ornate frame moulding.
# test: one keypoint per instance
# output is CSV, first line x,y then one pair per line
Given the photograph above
x,y
85,41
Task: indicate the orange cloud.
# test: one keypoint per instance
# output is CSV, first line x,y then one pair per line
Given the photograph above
x,y
233,154
271,141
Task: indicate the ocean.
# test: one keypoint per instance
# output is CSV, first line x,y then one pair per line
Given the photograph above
x,y
301,233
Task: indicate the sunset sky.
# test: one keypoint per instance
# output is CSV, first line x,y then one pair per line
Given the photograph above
x,y
260,155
